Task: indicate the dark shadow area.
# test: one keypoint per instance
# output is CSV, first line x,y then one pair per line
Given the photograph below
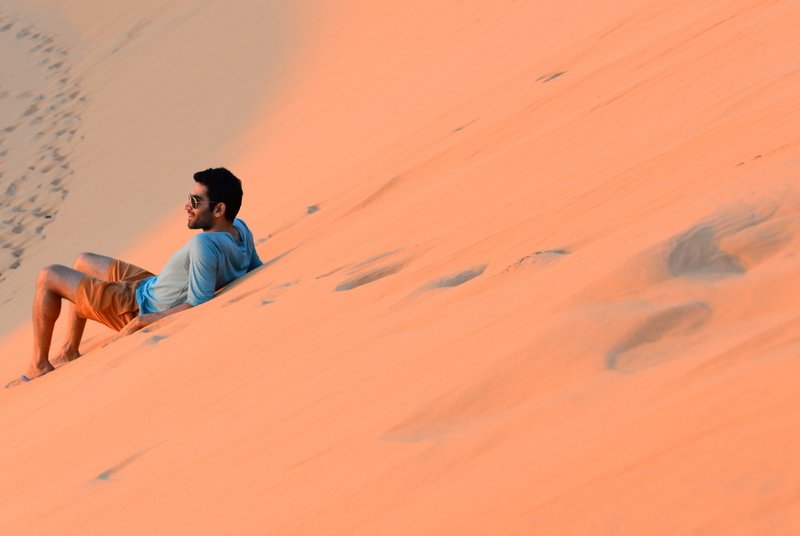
x,y
369,277
675,321
457,279
697,252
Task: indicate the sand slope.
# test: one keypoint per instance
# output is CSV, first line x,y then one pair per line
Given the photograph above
x,y
530,269
130,100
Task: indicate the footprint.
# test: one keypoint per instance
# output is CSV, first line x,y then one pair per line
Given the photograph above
x,y
462,127
114,469
697,252
638,350
732,242
24,32
371,276
548,77
374,259
244,295
155,339
538,257
455,280
728,244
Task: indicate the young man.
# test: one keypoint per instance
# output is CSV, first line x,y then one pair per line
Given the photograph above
x,y
127,298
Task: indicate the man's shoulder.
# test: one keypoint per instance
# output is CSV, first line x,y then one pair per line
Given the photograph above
x,y
202,243
246,234
240,224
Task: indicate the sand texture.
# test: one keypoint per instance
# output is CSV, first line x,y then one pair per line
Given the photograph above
x,y
530,267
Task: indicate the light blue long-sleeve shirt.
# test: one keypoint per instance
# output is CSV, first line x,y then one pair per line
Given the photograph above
x,y
208,262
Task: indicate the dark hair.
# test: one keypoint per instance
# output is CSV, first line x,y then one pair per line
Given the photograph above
x,y
223,187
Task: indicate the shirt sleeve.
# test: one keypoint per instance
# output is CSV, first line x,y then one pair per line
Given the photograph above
x,y
255,261
247,236
203,268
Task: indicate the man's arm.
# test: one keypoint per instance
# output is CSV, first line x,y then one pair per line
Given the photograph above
x,y
145,320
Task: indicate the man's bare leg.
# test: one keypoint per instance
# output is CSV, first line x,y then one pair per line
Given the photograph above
x,y
95,266
54,284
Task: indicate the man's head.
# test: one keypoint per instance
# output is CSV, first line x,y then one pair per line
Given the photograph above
x,y
217,194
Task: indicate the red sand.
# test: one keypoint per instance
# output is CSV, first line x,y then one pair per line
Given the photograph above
x,y
564,241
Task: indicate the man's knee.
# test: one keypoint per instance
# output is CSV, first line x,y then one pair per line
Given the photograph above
x,y
62,280
49,275
93,265
83,261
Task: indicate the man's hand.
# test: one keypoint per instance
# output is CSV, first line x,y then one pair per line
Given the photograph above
x,y
142,321
134,325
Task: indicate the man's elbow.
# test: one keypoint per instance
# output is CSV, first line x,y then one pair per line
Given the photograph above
x,y
184,306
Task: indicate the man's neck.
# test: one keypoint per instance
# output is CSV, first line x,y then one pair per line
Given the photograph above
x,y
224,226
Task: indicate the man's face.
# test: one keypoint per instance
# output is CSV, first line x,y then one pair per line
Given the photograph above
x,y
200,217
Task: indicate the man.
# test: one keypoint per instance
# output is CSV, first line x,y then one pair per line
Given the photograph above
x,y
127,298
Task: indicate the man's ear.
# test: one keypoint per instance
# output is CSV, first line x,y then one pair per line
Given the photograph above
x,y
219,209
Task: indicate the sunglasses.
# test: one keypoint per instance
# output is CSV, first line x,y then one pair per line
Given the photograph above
x,y
196,201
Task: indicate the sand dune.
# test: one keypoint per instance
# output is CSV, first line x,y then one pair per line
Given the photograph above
x,y
530,268
41,110
145,126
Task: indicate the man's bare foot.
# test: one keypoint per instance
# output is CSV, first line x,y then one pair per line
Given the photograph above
x,y
31,374
36,371
67,354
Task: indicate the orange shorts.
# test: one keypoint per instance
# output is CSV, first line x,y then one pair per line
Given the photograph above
x,y
112,301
